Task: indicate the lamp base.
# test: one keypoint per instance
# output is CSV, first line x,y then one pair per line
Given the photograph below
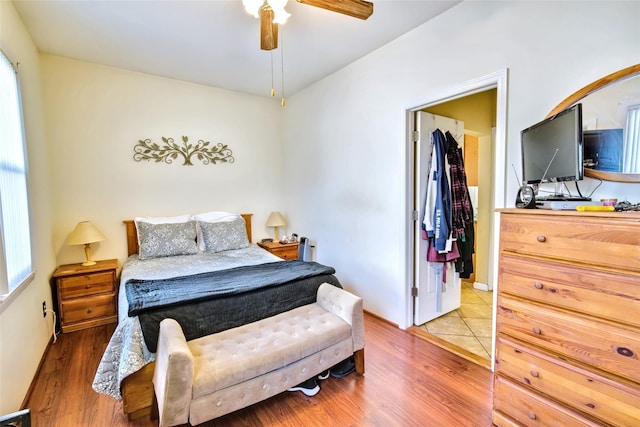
x,y
87,254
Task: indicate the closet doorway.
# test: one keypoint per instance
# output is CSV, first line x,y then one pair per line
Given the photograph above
x,y
481,105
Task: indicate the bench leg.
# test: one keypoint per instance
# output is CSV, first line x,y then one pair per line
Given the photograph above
x,y
155,413
359,359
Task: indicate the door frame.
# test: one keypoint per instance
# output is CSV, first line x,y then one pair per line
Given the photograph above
x,y
498,81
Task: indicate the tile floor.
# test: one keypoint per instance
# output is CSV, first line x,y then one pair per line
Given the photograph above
x,y
469,326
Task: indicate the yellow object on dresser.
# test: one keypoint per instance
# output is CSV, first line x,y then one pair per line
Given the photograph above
x,y
568,319
87,296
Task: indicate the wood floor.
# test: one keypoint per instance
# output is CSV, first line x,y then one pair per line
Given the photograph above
x,y
408,382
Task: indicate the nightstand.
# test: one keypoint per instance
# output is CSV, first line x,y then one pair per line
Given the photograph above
x,y
87,296
286,251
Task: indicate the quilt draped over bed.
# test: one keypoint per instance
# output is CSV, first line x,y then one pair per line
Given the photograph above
x,y
205,303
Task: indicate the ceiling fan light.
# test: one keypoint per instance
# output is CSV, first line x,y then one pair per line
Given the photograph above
x,y
253,7
280,16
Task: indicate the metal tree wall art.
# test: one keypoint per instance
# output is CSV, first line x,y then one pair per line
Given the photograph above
x,y
170,151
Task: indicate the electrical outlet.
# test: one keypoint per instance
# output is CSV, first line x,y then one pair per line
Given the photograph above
x,y
44,309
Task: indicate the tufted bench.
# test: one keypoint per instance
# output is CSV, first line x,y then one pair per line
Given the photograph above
x,y
208,377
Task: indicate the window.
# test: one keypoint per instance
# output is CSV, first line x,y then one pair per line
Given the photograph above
x,y
15,234
631,158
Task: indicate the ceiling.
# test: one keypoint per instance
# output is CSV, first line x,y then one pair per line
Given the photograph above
x,y
216,42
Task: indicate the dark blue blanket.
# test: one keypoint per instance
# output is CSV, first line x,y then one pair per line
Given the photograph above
x,y
146,295
208,303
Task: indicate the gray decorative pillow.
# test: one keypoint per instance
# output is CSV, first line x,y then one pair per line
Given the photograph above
x,y
159,240
224,235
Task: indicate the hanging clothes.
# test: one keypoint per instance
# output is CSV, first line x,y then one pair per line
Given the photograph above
x,y
461,208
437,218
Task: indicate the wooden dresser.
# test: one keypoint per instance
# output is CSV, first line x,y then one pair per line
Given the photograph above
x,y
568,319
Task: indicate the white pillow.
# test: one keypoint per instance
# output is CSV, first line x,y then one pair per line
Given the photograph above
x,y
163,219
212,217
215,216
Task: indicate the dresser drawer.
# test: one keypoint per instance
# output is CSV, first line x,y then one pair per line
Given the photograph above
x,y
591,291
596,395
596,242
516,405
82,309
86,284
601,344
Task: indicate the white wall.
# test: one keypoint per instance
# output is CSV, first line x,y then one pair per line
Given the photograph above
x,y
24,333
345,136
96,114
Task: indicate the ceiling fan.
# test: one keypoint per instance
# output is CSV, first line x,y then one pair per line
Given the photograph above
x,y
272,13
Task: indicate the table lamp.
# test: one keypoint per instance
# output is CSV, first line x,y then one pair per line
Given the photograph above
x,y
85,234
276,220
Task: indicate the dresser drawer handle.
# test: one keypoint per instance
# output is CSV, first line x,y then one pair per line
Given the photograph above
x,y
538,285
532,415
89,310
591,405
541,239
536,330
535,374
87,287
624,351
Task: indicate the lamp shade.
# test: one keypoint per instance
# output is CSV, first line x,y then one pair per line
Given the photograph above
x,y
276,220
85,232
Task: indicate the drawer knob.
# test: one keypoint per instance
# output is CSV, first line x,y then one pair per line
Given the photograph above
x,y
535,374
89,310
623,351
538,285
532,415
541,239
536,330
87,287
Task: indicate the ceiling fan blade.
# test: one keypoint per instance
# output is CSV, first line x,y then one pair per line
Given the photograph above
x,y
360,9
268,30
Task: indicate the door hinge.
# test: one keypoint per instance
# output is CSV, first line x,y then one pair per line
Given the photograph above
x,y
414,292
414,215
415,136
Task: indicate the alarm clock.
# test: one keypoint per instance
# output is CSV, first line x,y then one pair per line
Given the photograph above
x,y
526,198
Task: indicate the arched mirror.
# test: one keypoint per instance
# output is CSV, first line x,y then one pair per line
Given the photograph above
x,y
611,119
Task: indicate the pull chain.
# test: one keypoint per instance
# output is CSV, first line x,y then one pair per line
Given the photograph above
x,y
282,101
273,91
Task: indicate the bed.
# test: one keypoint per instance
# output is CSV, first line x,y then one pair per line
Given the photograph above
x,y
226,281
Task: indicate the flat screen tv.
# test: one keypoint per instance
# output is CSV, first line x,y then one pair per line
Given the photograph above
x,y
552,150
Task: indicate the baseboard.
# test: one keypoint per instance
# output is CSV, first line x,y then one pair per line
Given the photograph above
x,y
381,318
27,396
481,286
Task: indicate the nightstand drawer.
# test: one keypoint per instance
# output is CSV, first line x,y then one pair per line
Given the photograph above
x,y
286,253
88,284
523,407
84,309
596,395
603,345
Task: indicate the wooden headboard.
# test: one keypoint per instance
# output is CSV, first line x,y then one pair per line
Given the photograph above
x,y
132,233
